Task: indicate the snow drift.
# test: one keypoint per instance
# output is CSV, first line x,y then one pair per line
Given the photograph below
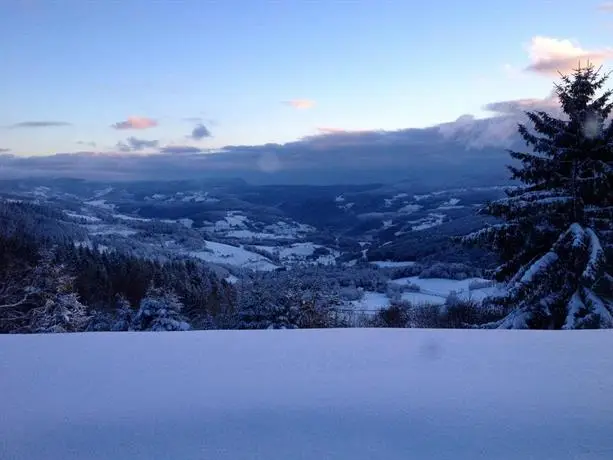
x,y
333,394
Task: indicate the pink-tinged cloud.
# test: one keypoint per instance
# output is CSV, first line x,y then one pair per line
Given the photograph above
x,y
300,104
332,130
606,6
327,130
552,55
136,123
550,104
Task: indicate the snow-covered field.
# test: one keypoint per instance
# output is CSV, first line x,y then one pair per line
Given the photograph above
x,y
371,302
434,291
219,253
433,220
297,253
320,394
83,217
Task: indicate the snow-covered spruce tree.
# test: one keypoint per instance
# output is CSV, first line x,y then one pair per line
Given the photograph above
x,y
556,227
124,315
257,304
160,311
59,308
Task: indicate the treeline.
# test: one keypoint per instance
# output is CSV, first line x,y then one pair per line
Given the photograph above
x,y
47,286
82,289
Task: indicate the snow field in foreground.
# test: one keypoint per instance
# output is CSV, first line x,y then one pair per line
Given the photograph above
x,y
334,394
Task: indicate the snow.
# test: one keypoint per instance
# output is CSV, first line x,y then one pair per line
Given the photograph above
x,y
292,229
339,199
235,225
354,394
419,298
220,253
186,222
231,279
596,256
100,204
478,295
199,197
82,216
136,219
410,208
236,220
110,230
299,252
389,201
105,191
41,191
251,235
440,286
452,203
436,290
88,244
371,302
231,221
391,263
433,220
540,265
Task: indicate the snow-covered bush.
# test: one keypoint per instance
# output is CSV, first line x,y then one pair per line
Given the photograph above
x,y
394,292
396,315
124,315
60,313
160,311
350,293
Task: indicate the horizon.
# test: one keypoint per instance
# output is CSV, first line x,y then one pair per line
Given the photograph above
x,y
280,75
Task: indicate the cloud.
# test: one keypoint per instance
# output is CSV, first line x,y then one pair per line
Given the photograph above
x,y
519,106
39,124
132,144
180,149
86,143
552,55
200,132
3,150
499,130
467,150
606,6
193,119
300,104
332,130
329,130
136,123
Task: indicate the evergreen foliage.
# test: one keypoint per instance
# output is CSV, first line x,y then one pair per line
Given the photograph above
x,y
556,229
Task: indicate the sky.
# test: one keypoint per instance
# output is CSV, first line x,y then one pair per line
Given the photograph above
x,y
139,76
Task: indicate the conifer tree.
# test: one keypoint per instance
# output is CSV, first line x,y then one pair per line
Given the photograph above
x,y
556,227
160,311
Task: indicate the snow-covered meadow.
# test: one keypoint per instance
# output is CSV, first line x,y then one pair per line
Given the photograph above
x,y
334,394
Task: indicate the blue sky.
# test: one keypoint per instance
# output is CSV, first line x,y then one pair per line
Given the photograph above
x,y
258,71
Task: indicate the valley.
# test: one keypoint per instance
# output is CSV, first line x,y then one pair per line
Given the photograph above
x,y
396,230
